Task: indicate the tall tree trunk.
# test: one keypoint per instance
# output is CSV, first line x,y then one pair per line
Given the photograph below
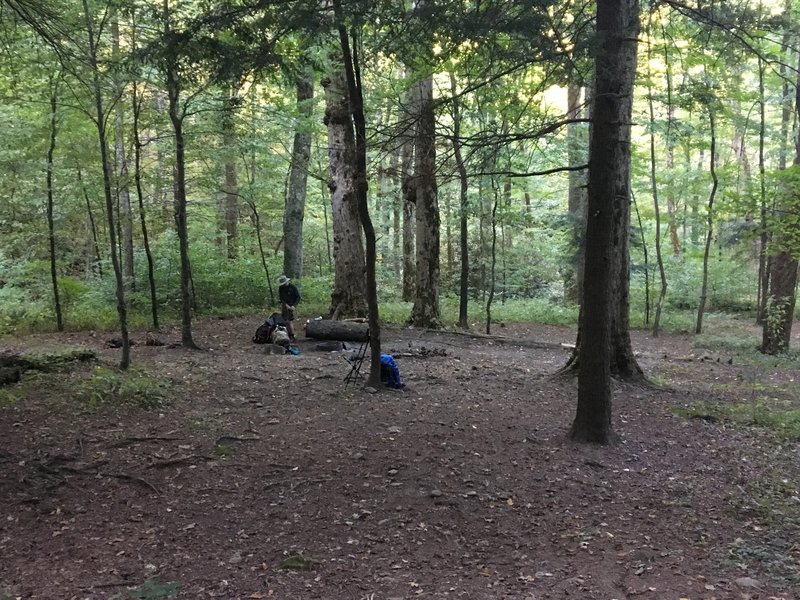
x,y
298,179
576,198
710,223
99,118
261,253
51,232
98,260
463,206
354,86
176,116
230,201
409,195
654,186
779,314
425,312
349,289
121,160
763,279
672,206
137,101
493,263
607,228
397,210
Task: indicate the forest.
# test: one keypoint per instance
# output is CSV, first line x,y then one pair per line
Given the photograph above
x,y
529,203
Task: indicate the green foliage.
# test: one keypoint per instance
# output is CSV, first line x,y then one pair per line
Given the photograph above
x,y
133,388
530,310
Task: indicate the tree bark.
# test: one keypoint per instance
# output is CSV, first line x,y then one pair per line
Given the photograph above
x,y
137,178
51,233
463,207
346,331
176,115
123,188
408,194
608,216
425,312
230,201
710,221
355,92
98,260
654,187
349,289
298,179
779,314
99,117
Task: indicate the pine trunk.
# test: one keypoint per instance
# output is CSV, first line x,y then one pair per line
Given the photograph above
x,y
608,219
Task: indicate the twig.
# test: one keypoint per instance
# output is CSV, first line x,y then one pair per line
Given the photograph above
x,y
236,438
175,461
133,439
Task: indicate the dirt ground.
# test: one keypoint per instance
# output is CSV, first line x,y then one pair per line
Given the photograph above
x,y
461,485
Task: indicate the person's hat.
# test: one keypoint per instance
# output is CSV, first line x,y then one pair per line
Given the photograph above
x,y
283,280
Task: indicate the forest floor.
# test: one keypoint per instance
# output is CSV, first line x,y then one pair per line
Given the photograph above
x,y
262,476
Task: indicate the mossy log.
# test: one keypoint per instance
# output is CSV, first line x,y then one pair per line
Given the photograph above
x,y
13,365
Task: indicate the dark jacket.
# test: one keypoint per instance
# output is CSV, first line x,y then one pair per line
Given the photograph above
x,y
289,294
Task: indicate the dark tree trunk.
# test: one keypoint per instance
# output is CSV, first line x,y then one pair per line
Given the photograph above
x,y
493,264
230,201
176,115
349,290
137,177
100,122
257,226
51,232
710,222
354,87
777,332
425,312
608,217
98,260
779,314
123,189
409,196
298,180
763,279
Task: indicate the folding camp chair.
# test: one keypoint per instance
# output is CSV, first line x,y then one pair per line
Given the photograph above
x,y
355,361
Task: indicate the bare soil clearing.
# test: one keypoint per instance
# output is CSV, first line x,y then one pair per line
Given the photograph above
x,y
461,485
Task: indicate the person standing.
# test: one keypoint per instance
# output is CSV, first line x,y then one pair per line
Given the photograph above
x,y
289,296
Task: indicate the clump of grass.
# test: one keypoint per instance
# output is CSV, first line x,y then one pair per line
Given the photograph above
x,y
726,342
132,388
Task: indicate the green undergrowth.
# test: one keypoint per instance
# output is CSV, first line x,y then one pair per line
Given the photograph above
x,y
105,386
781,417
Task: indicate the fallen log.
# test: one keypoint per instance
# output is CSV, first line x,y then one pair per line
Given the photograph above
x,y
346,331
